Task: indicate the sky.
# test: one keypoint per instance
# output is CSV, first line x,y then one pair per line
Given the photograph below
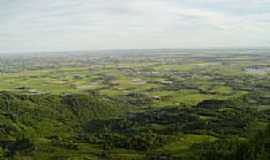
x,y
65,25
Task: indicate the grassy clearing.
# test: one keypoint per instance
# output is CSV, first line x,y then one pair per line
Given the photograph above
x,y
183,142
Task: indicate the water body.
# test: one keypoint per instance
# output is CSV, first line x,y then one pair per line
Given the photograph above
x,y
258,70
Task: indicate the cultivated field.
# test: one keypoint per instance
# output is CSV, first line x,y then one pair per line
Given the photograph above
x,y
134,104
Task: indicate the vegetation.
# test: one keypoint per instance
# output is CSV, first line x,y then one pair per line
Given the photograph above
x,y
136,106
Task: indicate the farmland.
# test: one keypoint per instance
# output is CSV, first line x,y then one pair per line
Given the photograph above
x,y
135,104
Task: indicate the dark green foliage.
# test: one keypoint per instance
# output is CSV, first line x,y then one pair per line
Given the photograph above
x,y
72,125
226,121
49,120
63,144
22,144
136,99
161,156
256,147
154,128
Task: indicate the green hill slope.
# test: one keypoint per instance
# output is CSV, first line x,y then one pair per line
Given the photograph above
x,y
44,118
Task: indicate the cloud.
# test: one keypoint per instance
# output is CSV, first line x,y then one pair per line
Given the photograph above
x,y
98,24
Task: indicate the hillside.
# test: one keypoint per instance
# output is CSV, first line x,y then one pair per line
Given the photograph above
x,y
79,126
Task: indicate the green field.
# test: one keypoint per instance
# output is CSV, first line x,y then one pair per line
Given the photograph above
x,y
153,106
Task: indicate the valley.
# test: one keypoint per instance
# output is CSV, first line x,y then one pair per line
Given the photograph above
x,y
136,104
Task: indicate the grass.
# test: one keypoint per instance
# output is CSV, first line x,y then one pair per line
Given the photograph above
x,y
63,80
183,142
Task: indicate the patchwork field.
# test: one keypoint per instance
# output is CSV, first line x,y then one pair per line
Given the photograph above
x,y
150,104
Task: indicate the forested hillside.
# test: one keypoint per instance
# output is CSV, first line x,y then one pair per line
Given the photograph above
x,y
92,126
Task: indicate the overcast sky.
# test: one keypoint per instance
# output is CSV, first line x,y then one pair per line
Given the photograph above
x,y
58,25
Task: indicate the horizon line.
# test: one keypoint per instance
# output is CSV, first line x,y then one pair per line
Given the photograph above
x,y
132,49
